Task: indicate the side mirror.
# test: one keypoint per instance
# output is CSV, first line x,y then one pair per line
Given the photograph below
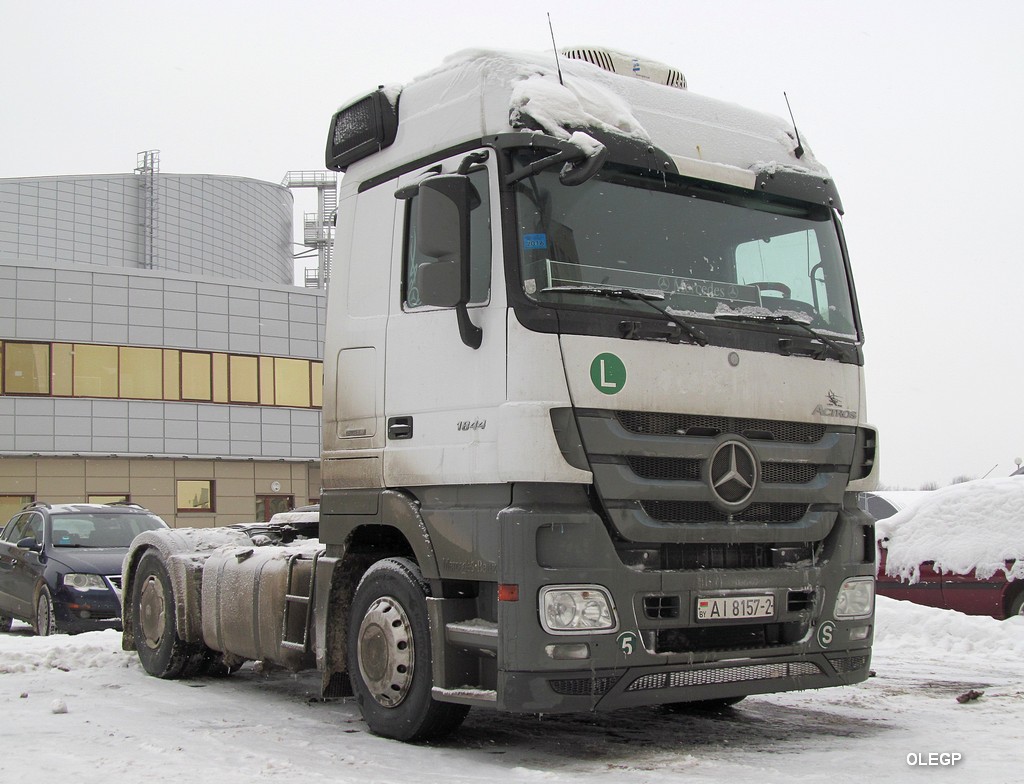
x,y
30,543
443,208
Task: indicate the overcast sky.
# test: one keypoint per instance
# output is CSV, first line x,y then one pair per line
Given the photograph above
x,y
914,106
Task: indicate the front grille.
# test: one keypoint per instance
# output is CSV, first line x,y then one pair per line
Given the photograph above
x,y
582,687
702,512
694,639
746,672
850,663
649,423
688,469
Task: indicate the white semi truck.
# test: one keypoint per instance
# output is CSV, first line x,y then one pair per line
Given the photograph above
x,y
593,420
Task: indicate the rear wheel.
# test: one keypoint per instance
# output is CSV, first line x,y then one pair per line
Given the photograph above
x,y
389,655
5,623
46,621
162,652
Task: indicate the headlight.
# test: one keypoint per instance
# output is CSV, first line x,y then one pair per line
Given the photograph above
x,y
576,609
856,598
85,582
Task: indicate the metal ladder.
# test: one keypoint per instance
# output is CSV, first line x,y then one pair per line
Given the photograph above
x,y
293,601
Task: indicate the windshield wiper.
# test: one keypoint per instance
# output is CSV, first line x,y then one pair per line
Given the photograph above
x,y
792,322
647,297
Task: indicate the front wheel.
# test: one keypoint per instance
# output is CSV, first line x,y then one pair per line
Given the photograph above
x,y
389,655
46,621
162,652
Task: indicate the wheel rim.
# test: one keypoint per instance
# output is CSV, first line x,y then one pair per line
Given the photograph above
x,y
152,611
44,614
386,652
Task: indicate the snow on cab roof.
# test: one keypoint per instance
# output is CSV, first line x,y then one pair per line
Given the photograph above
x,y
970,526
475,92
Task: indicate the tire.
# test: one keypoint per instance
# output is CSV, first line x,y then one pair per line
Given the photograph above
x,y
162,652
389,656
6,622
45,621
1016,606
703,706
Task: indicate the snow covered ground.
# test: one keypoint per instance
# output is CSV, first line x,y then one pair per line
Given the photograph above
x,y
121,724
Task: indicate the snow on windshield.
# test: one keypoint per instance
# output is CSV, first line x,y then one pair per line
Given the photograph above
x,y
970,526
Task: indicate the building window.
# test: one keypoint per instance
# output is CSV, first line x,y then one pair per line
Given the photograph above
x,y
109,498
27,368
10,505
138,373
142,375
291,382
269,505
244,379
195,495
195,376
95,371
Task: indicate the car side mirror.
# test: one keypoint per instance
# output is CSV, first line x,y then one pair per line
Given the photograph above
x,y
30,543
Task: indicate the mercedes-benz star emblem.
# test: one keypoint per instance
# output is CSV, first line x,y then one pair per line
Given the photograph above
x,y
733,474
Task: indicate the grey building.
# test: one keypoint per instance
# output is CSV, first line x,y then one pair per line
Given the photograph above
x,y
153,347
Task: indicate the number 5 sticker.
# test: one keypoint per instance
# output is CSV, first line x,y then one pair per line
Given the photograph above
x,y
627,642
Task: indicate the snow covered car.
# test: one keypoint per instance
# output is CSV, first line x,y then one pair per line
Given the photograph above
x,y
959,548
60,564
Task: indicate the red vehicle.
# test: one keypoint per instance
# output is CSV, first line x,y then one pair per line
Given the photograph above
x,y
933,553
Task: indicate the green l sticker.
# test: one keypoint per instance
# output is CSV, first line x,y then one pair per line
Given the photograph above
x,y
608,373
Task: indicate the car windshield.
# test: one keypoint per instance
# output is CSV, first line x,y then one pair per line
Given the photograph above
x,y
100,529
708,249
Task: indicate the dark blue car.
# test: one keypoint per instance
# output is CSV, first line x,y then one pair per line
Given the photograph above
x,y
60,564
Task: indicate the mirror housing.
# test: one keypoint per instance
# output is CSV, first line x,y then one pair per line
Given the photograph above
x,y
443,208
30,543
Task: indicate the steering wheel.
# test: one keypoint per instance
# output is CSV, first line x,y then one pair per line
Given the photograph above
x,y
782,288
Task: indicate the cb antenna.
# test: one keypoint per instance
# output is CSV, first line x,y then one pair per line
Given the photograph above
x,y
555,47
799,151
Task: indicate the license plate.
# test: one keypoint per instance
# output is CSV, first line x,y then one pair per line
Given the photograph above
x,y
720,608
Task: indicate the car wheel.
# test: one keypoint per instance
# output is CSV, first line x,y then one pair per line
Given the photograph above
x,y
162,652
389,655
46,621
1016,605
5,623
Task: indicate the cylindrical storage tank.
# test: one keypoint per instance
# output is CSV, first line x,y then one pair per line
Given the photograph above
x,y
243,604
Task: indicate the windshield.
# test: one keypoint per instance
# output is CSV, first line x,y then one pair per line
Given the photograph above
x,y
707,249
100,529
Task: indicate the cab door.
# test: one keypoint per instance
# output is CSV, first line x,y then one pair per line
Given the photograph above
x,y
442,396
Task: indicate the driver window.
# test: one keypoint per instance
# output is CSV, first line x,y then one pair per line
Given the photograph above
x,y
479,248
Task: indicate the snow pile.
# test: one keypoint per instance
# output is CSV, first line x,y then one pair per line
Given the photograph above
x,y
909,628
971,526
63,652
577,103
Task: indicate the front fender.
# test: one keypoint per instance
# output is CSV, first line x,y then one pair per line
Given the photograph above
x,y
183,551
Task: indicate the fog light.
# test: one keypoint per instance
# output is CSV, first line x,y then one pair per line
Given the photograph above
x,y
860,632
568,651
856,598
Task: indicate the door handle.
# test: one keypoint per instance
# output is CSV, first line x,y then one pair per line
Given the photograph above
x,y
400,428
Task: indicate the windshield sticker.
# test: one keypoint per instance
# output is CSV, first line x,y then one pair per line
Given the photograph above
x,y
535,241
608,373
